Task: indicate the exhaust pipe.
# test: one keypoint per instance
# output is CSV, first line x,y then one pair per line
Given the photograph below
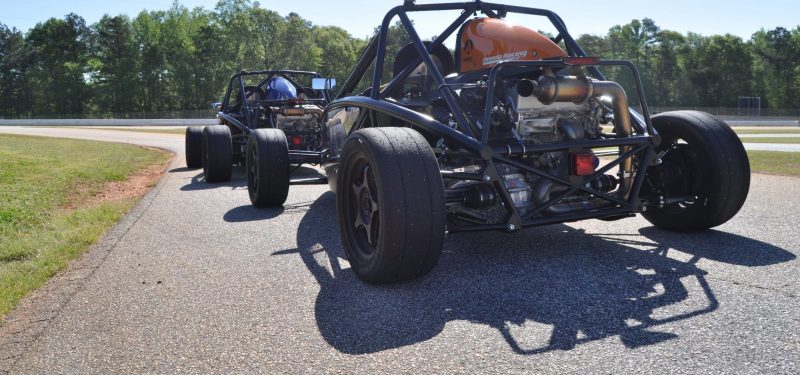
x,y
550,88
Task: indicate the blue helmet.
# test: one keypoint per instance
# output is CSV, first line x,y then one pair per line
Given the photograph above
x,y
279,88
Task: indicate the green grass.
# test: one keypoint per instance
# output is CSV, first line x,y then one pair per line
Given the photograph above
x,y
773,162
153,130
771,140
788,130
40,178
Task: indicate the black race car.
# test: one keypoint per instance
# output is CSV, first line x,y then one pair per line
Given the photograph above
x,y
286,101
513,129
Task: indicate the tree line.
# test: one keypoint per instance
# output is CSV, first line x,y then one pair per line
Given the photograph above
x,y
182,59
693,70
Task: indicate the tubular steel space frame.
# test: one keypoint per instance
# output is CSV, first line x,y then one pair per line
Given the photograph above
x,y
295,156
474,137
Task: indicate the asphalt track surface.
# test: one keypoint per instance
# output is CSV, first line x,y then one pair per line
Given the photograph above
x,y
195,280
781,147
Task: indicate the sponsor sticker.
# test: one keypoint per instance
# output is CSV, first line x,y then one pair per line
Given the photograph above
x,y
490,60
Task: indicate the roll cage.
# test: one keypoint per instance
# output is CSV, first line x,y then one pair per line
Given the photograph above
x,y
320,97
473,138
241,119
323,96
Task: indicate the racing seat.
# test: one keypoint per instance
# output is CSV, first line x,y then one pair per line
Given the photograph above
x,y
420,80
253,95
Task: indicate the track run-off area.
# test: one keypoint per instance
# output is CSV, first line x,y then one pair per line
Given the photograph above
x,y
196,280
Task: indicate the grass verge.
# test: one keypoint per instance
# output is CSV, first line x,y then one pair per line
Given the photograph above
x,y
773,162
49,207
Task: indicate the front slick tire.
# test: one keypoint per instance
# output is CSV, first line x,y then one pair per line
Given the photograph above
x,y
707,164
390,204
217,153
267,166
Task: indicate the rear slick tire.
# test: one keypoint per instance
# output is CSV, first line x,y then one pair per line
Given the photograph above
x,y
707,163
390,205
217,153
194,147
267,167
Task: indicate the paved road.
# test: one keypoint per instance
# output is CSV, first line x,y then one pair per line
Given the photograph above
x,y
782,147
195,280
762,122
787,135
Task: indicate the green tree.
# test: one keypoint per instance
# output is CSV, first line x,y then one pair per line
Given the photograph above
x,y
179,80
60,54
720,69
269,30
14,63
239,30
594,45
778,52
339,51
147,35
670,84
635,42
209,57
116,61
177,59
299,50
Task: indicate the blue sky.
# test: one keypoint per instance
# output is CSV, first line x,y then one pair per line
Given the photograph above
x,y
740,18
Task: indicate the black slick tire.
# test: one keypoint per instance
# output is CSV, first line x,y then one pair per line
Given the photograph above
x,y
217,153
194,147
267,167
390,204
706,162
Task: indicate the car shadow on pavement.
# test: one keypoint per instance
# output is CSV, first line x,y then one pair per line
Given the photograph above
x,y
238,178
181,169
249,212
542,289
720,247
197,181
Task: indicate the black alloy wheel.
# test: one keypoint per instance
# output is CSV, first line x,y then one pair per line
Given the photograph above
x,y
390,204
704,175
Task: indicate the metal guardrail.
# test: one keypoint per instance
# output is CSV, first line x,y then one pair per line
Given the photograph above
x,y
108,122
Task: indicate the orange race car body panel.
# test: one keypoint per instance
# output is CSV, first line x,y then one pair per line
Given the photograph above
x,y
483,42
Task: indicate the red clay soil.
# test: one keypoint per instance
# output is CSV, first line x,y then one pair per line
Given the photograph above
x,y
136,186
